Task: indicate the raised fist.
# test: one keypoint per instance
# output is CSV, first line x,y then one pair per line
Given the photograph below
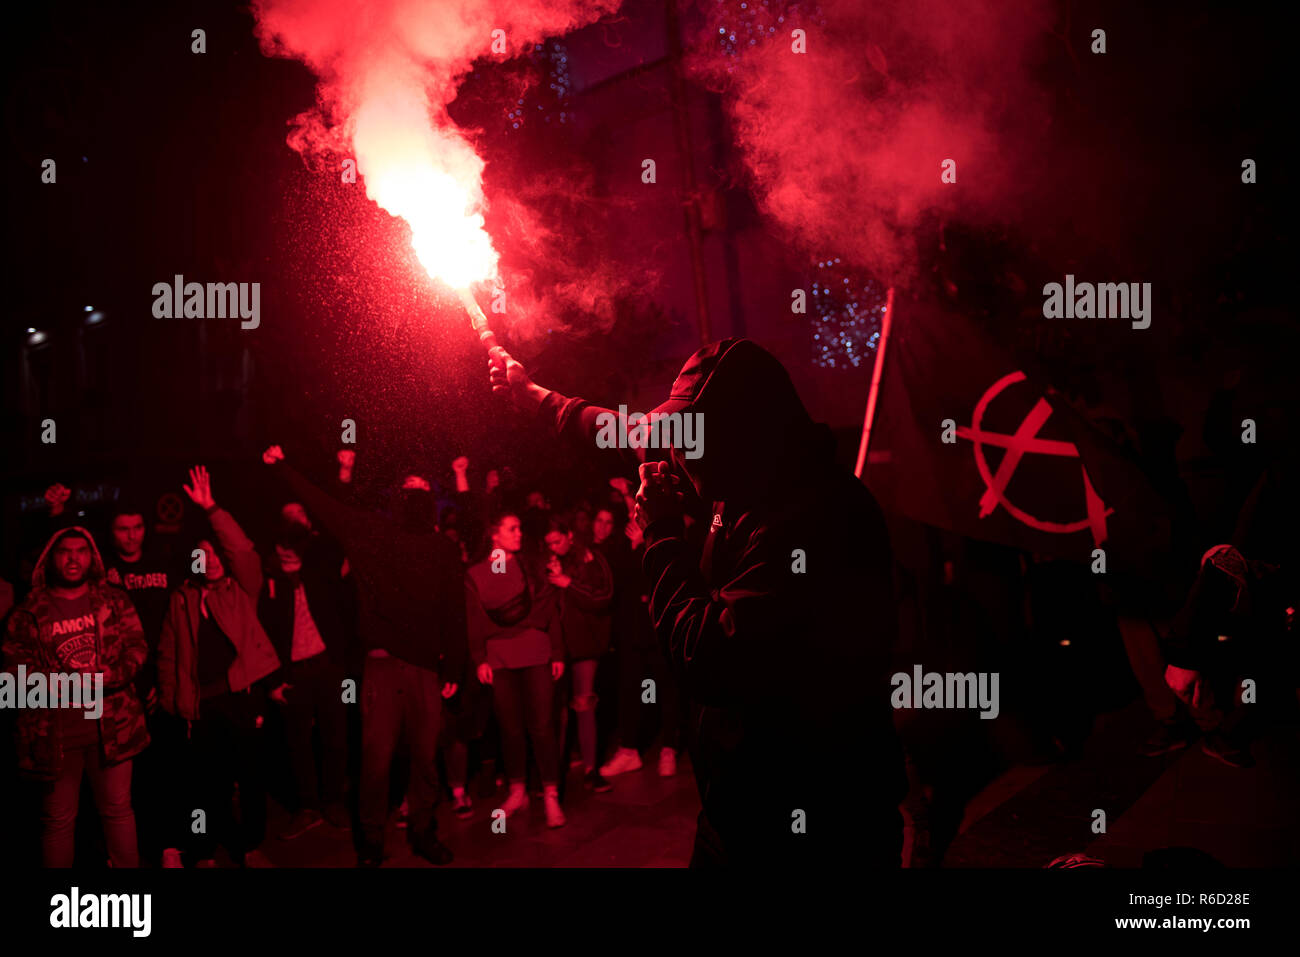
x,y
57,496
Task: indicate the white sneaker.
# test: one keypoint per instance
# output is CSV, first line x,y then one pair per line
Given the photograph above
x,y
624,760
667,763
517,800
554,815
171,858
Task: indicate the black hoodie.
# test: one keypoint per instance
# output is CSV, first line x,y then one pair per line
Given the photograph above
x,y
781,628
410,582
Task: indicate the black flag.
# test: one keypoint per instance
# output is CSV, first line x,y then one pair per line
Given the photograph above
x,y
967,439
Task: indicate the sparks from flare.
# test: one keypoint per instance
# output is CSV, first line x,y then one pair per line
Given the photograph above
x,y
432,178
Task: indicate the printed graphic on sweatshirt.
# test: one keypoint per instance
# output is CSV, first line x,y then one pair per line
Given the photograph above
x,y
74,642
132,581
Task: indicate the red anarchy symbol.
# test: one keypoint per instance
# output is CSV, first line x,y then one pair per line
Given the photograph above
x,y
1025,440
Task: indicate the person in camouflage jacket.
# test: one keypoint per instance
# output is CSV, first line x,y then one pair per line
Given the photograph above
x,y
74,622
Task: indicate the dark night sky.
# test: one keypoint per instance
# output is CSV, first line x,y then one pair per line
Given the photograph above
x,y
186,170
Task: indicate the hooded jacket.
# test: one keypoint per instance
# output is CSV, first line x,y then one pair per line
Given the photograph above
x,y
121,650
410,581
1237,610
232,602
780,628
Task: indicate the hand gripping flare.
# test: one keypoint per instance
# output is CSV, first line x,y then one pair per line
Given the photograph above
x,y
479,321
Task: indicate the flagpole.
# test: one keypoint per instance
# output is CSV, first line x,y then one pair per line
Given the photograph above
x,y
876,370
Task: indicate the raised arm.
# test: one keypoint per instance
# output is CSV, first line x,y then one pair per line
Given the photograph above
x,y
573,419
343,522
245,565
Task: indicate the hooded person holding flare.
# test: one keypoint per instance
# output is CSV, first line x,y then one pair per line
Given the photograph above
x,y
780,627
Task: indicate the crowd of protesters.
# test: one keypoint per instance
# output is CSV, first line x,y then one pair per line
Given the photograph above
x,y
358,635
461,629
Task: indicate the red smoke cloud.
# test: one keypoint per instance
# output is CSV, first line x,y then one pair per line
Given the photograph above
x,y
359,50
387,71
843,144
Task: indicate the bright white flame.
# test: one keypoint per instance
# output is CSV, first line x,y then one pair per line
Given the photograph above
x,y
448,236
430,177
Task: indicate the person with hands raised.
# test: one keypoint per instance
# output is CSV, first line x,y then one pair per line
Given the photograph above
x,y
212,659
411,617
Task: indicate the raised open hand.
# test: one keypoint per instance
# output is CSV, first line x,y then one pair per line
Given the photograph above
x,y
200,488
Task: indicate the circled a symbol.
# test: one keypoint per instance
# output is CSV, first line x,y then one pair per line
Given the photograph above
x,y
1025,440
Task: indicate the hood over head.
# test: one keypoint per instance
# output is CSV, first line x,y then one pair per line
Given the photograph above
x,y
96,573
756,432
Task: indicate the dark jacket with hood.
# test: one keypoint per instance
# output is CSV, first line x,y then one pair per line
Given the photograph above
x,y
409,577
1237,611
1246,591
121,650
232,603
780,628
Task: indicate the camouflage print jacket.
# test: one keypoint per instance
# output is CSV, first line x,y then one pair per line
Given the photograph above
x,y
121,650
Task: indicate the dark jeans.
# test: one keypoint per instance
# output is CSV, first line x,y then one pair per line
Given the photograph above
x,y
576,690
225,756
465,719
523,696
155,790
398,697
315,696
635,665
112,787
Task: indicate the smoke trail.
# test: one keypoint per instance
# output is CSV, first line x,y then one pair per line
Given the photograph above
x,y
843,144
